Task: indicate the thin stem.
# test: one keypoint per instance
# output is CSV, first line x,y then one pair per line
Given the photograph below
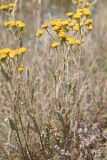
x,y
50,34
20,145
79,66
25,137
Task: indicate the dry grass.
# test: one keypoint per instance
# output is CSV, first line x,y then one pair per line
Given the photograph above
x,y
56,108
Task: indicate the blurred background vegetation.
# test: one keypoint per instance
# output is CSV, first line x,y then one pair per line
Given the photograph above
x,y
94,60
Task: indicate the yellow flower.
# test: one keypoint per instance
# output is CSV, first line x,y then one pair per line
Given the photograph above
x,y
45,25
58,23
12,53
70,40
78,41
86,12
90,27
20,24
54,44
80,1
72,23
80,10
7,7
2,56
39,33
6,24
70,14
11,5
62,35
6,51
88,21
20,68
12,23
53,22
22,51
78,15
56,28
88,4
65,23
4,7
76,27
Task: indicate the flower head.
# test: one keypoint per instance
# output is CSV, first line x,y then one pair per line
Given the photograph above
x,y
88,21
54,44
65,23
86,12
45,25
70,40
76,27
20,68
62,35
90,27
72,23
70,14
39,33
13,53
78,15
22,51
3,56
53,22
56,28
88,4
3,7
20,24
78,41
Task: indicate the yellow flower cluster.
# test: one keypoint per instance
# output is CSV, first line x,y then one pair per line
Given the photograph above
x,y
66,30
4,53
7,52
73,41
7,8
15,23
